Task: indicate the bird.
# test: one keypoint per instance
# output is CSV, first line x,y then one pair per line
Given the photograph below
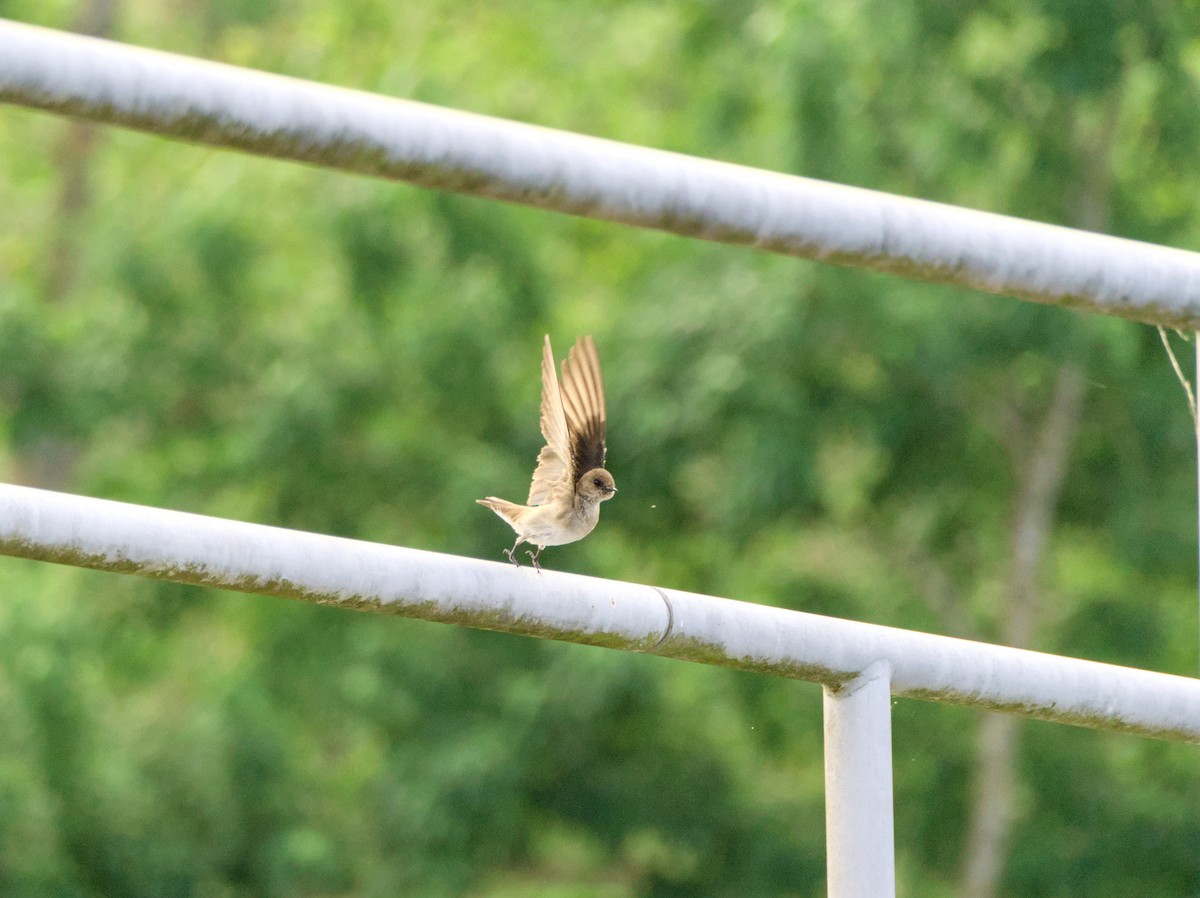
x,y
570,480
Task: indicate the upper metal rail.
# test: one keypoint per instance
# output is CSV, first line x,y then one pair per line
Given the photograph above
x,y
270,115
188,548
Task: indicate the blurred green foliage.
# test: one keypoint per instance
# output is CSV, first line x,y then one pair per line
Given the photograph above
x,y
274,343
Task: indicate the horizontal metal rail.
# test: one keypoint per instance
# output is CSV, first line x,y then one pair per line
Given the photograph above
x,y
270,115
188,548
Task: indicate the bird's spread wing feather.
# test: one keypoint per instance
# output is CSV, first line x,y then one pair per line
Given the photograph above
x,y
553,469
583,404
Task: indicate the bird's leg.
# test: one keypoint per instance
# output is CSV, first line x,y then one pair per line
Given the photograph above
x,y
533,556
511,556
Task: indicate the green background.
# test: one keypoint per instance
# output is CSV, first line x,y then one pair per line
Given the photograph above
x,y
200,330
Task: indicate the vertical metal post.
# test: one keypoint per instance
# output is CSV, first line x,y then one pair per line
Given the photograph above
x,y
859,838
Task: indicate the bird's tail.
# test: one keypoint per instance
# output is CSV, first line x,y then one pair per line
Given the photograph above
x,y
510,511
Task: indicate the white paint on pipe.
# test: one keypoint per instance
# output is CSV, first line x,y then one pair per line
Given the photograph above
x,y
937,668
220,105
190,548
859,835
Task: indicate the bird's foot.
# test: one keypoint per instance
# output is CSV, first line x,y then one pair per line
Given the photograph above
x,y
534,558
512,557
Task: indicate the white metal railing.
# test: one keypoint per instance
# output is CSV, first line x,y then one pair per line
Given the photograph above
x,y
859,665
330,570
286,118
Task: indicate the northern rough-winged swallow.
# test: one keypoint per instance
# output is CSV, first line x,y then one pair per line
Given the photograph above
x,y
570,481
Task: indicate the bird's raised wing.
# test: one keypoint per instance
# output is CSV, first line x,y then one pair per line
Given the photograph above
x,y
553,467
583,403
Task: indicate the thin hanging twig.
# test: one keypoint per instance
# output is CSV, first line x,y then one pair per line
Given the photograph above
x,y
1191,398
1187,387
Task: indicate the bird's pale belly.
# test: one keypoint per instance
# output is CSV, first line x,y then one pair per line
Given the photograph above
x,y
545,526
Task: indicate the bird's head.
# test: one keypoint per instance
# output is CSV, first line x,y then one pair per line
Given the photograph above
x,y
596,485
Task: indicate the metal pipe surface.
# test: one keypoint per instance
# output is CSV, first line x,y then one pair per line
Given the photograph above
x,y
188,548
859,834
270,115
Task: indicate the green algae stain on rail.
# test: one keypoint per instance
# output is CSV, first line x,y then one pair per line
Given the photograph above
x,y
504,622
689,648
1092,721
17,547
190,574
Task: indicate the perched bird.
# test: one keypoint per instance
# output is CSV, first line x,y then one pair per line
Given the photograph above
x,y
570,481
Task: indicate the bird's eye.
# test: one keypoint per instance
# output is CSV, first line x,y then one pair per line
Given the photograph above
x,y
597,482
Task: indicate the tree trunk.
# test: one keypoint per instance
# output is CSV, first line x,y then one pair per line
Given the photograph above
x,y
1039,477
1039,485
75,151
49,459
